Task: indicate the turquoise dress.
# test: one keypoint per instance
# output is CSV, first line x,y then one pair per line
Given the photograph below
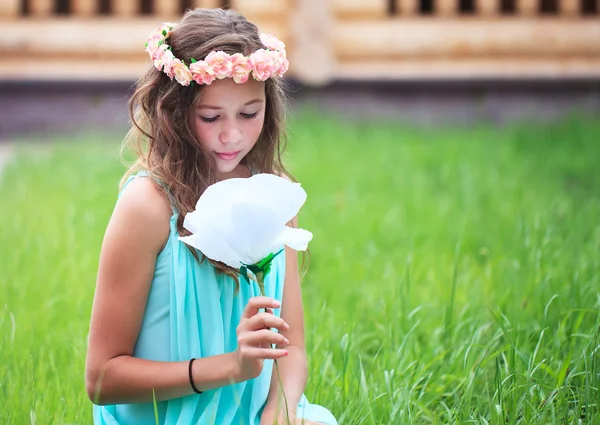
x,y
193,311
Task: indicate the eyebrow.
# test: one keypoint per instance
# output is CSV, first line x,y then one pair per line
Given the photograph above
x,y
251,102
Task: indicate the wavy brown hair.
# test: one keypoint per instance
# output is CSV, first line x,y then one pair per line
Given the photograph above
x,y
162,133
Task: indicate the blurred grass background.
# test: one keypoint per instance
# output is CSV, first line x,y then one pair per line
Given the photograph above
x,y
454,275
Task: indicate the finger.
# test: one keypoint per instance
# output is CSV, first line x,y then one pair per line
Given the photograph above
x,y
268,311
256,303
263,337
266,321
265,353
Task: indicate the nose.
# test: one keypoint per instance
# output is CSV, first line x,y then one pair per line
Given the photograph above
x,y
230,134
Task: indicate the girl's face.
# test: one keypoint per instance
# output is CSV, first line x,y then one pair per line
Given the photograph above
x,y
229,120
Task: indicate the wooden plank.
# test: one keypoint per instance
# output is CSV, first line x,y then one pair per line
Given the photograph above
x,y
487,7
10,8
166,8
84,7
69,69
96,37
569,7
126,8
463,37
469,69
115,37
407,8
311,57
445,7
41,7
253,9
359,9
527,7
207,4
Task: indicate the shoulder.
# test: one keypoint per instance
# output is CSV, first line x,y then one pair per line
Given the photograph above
x,y
143,212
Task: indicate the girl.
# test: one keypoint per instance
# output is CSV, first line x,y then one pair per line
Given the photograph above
x,y
167,324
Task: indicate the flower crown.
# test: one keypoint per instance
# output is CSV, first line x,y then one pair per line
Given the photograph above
x,y
262,64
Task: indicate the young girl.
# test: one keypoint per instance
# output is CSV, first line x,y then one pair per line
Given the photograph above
x,y
167,324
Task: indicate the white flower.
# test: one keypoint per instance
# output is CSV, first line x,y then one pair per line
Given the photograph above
x,y
241,221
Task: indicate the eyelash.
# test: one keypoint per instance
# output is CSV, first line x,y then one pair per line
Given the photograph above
x,y
245,116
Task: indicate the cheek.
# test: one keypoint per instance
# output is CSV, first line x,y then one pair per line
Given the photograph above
x,y
254,127
203,131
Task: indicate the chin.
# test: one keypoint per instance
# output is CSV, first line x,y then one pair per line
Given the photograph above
x,y
226,168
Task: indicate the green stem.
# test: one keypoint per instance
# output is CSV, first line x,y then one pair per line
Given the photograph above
x,y
260,279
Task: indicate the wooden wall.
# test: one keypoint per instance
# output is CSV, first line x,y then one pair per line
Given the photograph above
x,y
326,40
407,39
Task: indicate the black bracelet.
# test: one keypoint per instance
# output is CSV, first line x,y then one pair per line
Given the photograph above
x,y
191,379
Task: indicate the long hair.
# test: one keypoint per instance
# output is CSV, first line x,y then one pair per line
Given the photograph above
x,y
162,133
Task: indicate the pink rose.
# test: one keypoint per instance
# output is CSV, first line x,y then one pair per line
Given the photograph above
x,y
221,64
158,56
153,46
182,73
202,72
241,67
264,65
281,64
169,64
283,67
272,42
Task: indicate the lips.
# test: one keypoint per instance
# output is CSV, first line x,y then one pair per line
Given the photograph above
x,y
228,156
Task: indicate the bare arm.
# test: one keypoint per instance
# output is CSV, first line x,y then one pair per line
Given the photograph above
x,y
135,235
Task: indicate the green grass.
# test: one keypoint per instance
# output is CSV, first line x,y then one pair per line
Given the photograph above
x,y
454,276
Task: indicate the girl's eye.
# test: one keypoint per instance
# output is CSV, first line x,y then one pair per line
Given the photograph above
x,y
249,116
206,119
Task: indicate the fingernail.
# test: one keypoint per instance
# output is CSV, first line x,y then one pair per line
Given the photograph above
x,y
287,341
286,352
276,304
286,326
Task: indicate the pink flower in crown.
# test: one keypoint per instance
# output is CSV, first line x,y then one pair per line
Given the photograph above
x,y
170,63
165,60
241,67
153,46
264,66
221,64
283,67
160,55
280,61
202,72
271,42
182,73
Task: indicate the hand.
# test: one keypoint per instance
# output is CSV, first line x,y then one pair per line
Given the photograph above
x,y
254,337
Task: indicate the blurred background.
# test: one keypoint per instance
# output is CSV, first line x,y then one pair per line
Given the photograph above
x,y
418,60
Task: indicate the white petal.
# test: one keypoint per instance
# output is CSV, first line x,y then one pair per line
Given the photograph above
x,y
213,237
284,196
297,239
193,220
220,195
278,193
255,228
215,251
